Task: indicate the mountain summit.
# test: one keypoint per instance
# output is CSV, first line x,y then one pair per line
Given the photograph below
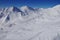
x,y
26,8
14,9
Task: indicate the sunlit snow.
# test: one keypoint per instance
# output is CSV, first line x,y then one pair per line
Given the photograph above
x,y
26,23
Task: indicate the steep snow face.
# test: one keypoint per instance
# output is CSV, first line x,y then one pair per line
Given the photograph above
x,y
57,6
28,23
29,12
10,14
26,8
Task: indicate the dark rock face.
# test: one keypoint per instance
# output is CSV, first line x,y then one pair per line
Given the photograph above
x,y
15,9
1,15
7,18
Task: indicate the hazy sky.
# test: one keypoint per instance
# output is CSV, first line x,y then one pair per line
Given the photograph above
x,y
32,3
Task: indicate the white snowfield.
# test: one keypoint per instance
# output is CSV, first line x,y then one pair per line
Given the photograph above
x,y
26,23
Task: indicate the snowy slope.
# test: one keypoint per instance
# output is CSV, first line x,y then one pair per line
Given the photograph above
x,y
26,23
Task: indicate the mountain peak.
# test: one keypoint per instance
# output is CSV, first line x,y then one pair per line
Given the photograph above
x,y
15,9
25,8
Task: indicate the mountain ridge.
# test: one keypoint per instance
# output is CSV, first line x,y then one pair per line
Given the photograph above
x,y
28,11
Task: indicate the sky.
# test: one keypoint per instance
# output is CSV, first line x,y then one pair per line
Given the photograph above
x,y
31,3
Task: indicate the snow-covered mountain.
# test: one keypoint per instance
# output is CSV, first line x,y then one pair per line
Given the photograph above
x,y
27,23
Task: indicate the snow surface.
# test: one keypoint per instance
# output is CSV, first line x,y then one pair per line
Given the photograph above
x,y
26,23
